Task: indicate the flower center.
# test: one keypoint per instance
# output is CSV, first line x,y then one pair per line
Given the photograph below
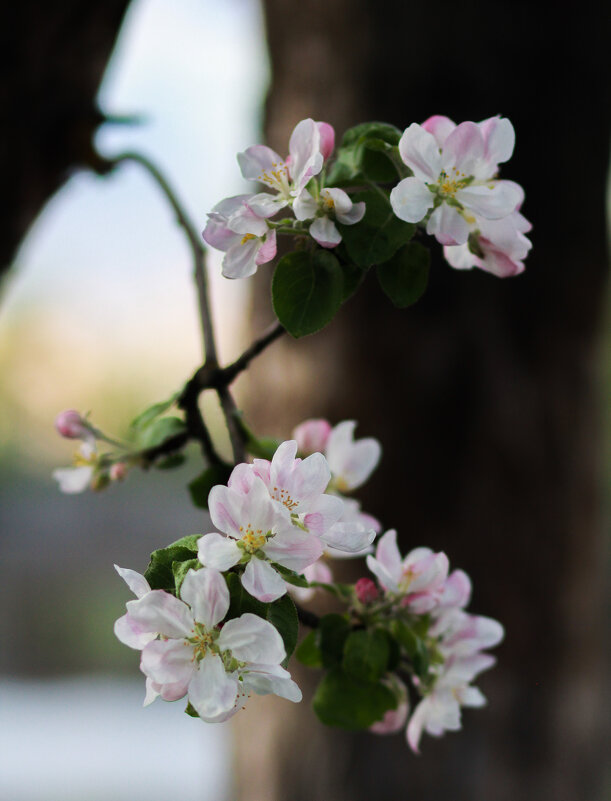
x,y
246,238
450,184
277,178
252,539
80,460
407,577
283,496
328,203
203,640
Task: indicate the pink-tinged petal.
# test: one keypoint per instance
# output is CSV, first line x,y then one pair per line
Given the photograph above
x,y
323,513
241,478
456,590
135,581
387,582
229,206
266,679
494,200
463,669
218,552
293,549
327,139
498,263
441,127
430,571
252,639
464,148
304,206
393,720
448,226
168,661
262,581
411,199
351,462
225,506
241,259
416,725
256,160
211,691
206,593
312,435
259,509
262,469
282,463
264,205
73,480
267,250
245,221
337,199
388,555
354,215
306,159
323,230
460,257
174,690
311,476
499,137
162,613
218,235
131,633
349,537
420,152
471,696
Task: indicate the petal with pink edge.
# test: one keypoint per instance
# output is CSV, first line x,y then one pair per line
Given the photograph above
x,y
221,553
206,593
262,581
293,549
323,230
162,613
168,661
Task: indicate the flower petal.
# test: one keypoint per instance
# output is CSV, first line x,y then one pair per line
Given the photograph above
x,y
131,633
206,593
135,581
162,613
323,230
212,692
168,661
420,152
293,549
448,226
262,581
252,639
411,199
221,553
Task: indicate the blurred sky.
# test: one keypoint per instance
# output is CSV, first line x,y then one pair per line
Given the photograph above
x,y
100,312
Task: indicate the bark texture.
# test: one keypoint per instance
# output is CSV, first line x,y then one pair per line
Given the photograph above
x,y
485,395
54,57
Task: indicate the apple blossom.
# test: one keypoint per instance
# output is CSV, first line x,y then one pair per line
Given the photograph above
x,y
454,181
351,461
244,236
72,425
215,663
312,436
329,205
78,478
366,590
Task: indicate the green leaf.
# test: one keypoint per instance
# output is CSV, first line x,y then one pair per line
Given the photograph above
x,y
160,571
371,130
414,646
148,415
191,711
307,290
404,277
282,614
367,152
293,578
159,430
343,701
200,487
353,278
180,570
366,655
380,233
331,633
170,462
308,652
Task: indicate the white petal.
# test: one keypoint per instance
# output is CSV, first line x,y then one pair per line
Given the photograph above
x,y
241,259
256,160
448,226
411,199
294,549
262,581
135,581
212,692
130,633
221,553
351,462
167,661
206,593
493,200
387,553
162,613
323,512
383,576
225,506
349,537
265,205
252,639
304,206
420,152
264,679
72,480
323,230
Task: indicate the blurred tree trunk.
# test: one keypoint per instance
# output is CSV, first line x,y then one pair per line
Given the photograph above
x,y
55,55
485,395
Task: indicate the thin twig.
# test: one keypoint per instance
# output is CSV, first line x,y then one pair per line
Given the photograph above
x,y
232,370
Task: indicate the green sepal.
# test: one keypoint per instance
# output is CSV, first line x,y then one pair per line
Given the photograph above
x,y
200,487
307,290
404,277
366,655
180,570
348,703
308,652
378,236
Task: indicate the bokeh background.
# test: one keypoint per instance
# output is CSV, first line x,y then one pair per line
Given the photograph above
x,y
489,397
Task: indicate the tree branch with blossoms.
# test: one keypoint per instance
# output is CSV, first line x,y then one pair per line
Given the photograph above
x,y
216,615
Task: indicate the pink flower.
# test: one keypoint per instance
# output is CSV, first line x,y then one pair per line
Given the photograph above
x,y
312,436
244,236
366,591
72,425
453,180
417,580
216,666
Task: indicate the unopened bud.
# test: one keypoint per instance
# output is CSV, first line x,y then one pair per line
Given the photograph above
x,y
366,590
71,425
118,471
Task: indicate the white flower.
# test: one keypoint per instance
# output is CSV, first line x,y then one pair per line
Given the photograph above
x,y
77,479
216,666
331,204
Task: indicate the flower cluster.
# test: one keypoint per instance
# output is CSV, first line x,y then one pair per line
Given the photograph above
x,y
419,591
242,227
455,191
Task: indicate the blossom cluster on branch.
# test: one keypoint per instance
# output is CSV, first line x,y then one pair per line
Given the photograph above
x,y
217,614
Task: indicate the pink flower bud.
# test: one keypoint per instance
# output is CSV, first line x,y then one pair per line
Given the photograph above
x,y
327,139
312,436
366,590
71,425
118,471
